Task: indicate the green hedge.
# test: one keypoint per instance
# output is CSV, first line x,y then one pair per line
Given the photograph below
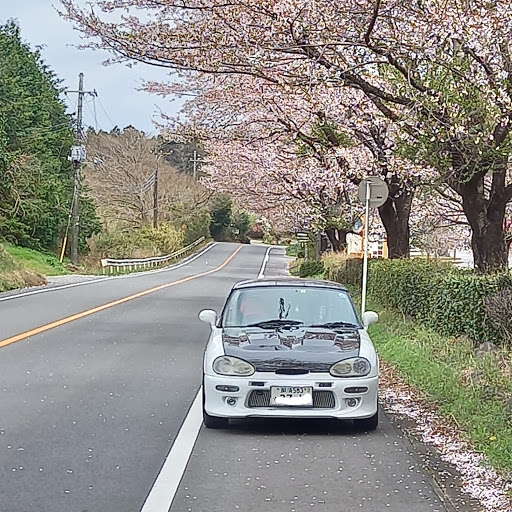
x,y
452,301
139,243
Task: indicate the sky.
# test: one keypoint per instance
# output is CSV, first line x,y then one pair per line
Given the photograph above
x,y
119,103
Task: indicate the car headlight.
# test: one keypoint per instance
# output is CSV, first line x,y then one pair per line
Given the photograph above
x,y
226,365
355,367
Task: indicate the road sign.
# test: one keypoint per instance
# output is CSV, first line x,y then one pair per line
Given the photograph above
x,y
378,191
373,192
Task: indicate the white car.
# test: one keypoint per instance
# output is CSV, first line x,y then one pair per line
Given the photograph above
x,y
289,348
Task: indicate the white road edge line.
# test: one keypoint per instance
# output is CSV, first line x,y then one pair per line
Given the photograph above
x,y
261,275
166,485
100,279
167,482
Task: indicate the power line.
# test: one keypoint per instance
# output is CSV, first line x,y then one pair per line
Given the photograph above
x,y
105,112
87,103
47,129
95,114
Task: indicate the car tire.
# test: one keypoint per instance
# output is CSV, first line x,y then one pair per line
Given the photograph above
x,y
214,421
368,424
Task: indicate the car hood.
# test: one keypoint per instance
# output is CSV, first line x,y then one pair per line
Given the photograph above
x,y
288,350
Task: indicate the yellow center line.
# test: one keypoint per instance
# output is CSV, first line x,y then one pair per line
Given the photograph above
x,y
97,309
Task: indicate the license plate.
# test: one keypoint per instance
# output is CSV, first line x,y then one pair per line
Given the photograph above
x,y
291,396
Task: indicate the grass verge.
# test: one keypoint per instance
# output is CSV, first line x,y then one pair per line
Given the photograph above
x,y
41,262
473,391
13,275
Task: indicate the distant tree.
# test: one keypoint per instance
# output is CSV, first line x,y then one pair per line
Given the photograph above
x,y
36,134
242,223
221,212
121,176
181,155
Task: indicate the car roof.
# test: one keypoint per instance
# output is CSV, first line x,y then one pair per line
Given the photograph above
x,y
288,281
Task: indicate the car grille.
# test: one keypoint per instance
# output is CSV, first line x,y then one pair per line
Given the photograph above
x,y
321,399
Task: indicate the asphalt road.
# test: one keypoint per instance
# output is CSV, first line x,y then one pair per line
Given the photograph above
x,y
90,409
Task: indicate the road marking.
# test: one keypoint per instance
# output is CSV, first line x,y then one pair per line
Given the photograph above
x,y
97,309
167,482
166,485
261,275
107,278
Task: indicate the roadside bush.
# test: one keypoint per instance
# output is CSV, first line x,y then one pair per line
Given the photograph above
x,y
139,243
293,249
343,269
498,310
449,300
193,224
311,268
166,238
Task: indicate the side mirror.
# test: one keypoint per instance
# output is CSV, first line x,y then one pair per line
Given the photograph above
x,y
369,318
208,316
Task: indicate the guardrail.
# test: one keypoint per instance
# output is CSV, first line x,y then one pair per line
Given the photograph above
x,y
145,263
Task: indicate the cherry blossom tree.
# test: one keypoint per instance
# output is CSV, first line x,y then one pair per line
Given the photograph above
x,y
321,122
268,179
439,71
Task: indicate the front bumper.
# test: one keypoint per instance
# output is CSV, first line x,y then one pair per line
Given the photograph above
x,y
331,398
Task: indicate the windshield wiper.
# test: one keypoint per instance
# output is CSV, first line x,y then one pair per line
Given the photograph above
x,y
334,325
276,324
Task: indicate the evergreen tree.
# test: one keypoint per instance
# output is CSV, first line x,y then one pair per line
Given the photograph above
x,y
36,134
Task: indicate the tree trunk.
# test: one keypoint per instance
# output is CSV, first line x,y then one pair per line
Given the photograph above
x,y
331,235
489,249
338,238
395,213
342,238
486,217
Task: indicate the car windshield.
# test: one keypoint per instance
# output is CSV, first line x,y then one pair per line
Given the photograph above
x,y
289,306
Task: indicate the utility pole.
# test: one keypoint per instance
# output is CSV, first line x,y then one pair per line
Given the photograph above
x,y
78,155
195,161
155,195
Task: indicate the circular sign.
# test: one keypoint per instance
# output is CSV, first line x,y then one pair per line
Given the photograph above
x,y
378,191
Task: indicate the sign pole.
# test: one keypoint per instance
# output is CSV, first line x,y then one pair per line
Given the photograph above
x,y
365,259
373,192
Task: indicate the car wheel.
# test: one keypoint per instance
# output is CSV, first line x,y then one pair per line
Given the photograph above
x,y
214,421
368,424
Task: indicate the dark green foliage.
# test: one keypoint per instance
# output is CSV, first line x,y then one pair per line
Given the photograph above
x,y
90,223
229,224
181,156
195,225
311,268
446,299
221,218
35,138
241,223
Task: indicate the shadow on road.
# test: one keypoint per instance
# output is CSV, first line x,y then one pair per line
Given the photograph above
x,y
293,427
